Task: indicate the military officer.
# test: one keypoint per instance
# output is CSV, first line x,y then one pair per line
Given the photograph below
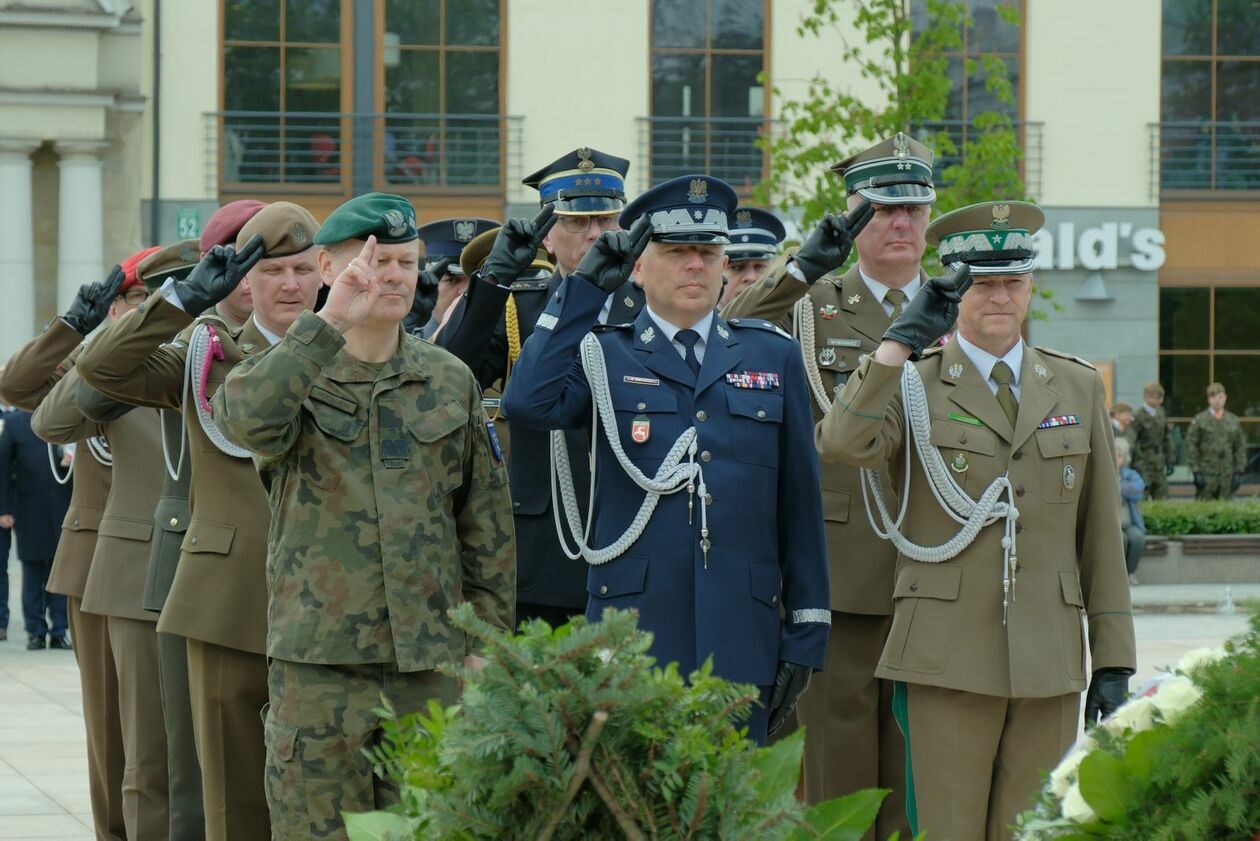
x,y
755,238
1153,442
217,599
851,738
444,240
736,533
986,643
1216,448
353,421
581,194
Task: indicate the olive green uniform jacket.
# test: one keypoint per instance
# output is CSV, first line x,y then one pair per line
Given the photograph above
x,y
947,620
389,500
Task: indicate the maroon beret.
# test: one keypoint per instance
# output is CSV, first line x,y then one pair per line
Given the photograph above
x,y
227,222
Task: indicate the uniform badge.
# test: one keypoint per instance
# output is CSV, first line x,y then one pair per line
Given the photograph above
x,y
1040,370
959,464
395,222
828,311
1069,477
901,146
1059,420
844,343
465,230
698,191
723,332
1001,216
298,232
585,164
640,429
827,357
743,219
647,335
844,363
855,298
628,301
495,446
640,380
955,370
768,282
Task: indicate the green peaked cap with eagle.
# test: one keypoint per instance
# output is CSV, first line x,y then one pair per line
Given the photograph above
x,y
993,237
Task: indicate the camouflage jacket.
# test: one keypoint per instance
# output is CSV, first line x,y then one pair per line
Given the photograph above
x,y
388,495
1216,445
1153,441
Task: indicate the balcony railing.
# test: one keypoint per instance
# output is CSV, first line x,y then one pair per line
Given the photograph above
x,y
330,151
961,132
1203,156
725,147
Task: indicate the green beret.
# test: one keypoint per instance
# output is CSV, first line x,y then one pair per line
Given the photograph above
x,y
286,228
391,219
173,261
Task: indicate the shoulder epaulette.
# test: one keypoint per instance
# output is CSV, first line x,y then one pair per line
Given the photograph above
x,y
608,328
932,351
1061,355
529,286
759,324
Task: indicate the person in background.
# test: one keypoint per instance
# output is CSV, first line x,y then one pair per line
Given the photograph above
x,y
1122,423
1131,524
1216,448
1153,451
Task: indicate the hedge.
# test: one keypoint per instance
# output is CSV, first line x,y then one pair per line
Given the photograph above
x,y
1171,518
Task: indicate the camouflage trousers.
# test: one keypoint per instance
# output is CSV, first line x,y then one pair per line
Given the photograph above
x,y
1218,484
318,723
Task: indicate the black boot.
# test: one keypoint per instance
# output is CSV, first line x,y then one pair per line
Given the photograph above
x,y
59,642
34,642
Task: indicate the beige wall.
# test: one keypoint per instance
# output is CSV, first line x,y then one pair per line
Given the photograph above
x,y
1093,75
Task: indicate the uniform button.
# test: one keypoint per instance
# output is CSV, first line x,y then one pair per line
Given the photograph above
x,y
603,589
193,542
174,521
774,600
1065,445
1019,527
706,456
701,416
761,413
1017,455
641,406
708,499
76,522
1019,490
962,439
516,504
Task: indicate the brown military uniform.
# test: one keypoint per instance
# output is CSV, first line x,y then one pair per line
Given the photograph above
x,y
983,701
25,381
218,597
852,741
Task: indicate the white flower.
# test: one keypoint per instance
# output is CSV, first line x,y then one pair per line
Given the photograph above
x,y
1200,657
1074,806
1065,774
1137,715
1175,696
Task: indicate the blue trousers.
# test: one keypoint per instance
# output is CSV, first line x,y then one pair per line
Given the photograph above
x,y
44,613
6,536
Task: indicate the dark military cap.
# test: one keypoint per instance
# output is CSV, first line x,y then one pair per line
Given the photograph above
x,y
390,218
227,222
286,229
586,181
894,171
992,237
446,238
476,252
755,235
173,261
689,208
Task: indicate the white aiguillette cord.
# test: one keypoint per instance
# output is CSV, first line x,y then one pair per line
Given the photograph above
x,y
972,514
52,464
204,347
672,476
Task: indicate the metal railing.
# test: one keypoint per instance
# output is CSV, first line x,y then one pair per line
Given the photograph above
x,y
960,132
1203,156
725,147
325,151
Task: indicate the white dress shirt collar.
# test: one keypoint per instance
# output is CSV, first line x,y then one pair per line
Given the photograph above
x,y
271,337
702,327
879,290
984,361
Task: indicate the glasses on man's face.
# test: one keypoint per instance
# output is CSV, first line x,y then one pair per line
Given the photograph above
x,y
135,296
580,224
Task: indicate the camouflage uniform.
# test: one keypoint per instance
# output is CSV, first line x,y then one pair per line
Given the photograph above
x,y
1216,448
1152,449
389,505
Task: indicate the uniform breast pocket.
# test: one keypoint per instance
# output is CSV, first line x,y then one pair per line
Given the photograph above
x,y
647,420
755,420
440,432
968,451
1064,453
335,417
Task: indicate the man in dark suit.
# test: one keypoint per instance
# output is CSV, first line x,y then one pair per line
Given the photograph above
x,y
33,503
6,538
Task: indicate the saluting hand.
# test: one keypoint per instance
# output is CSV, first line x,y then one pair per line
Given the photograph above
x,y
516,246
91,304
353,293
610,260
829,245
218,274
933,311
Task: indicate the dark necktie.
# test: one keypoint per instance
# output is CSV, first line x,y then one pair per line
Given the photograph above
x,y
688,339
897,298
1002,375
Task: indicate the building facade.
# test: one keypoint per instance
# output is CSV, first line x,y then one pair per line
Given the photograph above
x,y
1140,121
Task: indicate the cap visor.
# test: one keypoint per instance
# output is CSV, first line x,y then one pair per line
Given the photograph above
x,y
588,205
898,194
738,253
703,237
995,267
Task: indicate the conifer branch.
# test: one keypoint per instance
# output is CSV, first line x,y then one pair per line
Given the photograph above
x,y
628,827
581,768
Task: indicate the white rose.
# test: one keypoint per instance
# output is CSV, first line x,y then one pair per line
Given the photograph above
x,y
1200,657
1175,696
1063,775
1137,715
1074,806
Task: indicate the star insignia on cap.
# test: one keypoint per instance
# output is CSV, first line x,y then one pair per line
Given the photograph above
x,y
647,335
699,214
997,239
955,370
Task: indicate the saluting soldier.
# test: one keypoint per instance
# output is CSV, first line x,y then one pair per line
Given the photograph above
x,y
581,194
26,380
852,741
393,500
1153,453
1216,448
444,240
755,237
710,415
218,598
987,642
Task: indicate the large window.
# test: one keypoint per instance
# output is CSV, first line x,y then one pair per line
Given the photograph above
x,y
441,92
1211,334
708,108
1209,137
282,91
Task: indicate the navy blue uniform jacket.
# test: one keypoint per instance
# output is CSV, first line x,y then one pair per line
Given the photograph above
x,y
768,552
28,491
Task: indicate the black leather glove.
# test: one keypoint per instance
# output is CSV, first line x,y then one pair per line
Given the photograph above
x,y
1168,469
933,311
426,296
91,304
516,246
1235,483
829,245
218,273
790,681
610,260
1199,482
1108,689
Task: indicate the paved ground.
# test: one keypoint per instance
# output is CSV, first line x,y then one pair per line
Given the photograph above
x,y
43,768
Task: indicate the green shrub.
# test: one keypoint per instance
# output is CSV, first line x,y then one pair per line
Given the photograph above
x,y
572,733
1171,518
